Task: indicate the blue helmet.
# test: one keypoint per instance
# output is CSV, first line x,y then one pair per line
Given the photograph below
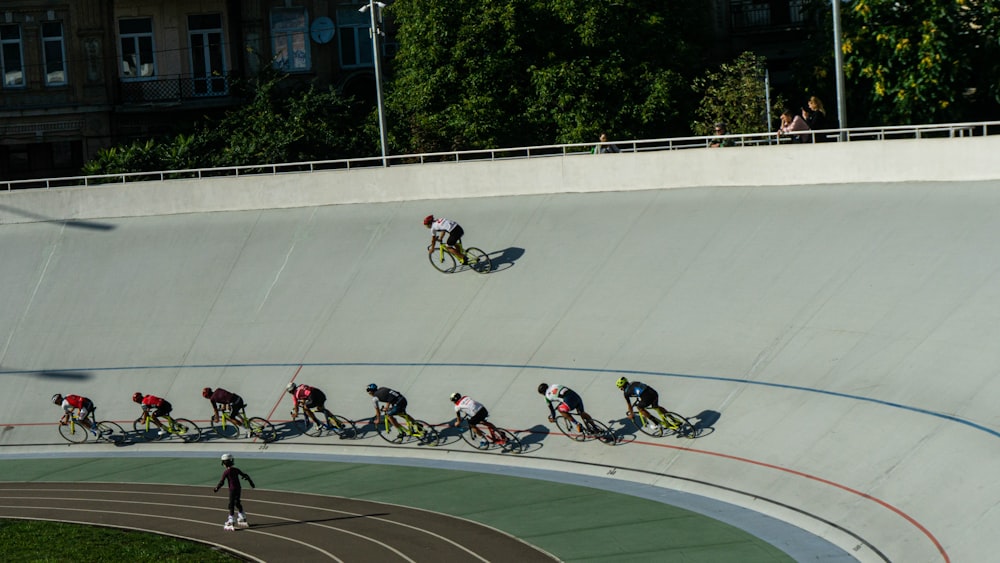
x,y
371,388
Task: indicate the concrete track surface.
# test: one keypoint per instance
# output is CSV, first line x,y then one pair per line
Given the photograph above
x,y
834,344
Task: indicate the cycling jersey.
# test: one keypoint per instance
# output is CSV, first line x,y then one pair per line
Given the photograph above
x,y
386,395
149,401
223,397
562,398
442,224
635,389
71,402
469,406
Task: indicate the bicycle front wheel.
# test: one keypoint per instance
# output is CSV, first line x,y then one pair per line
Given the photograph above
x,y
263,429
305,425
226,429
478,260
681,427
150,433
389,433
509,442
73,432
647,426
187,430
111,432
443,262
570,430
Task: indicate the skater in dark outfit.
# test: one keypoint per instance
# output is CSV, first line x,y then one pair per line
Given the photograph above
x,y
233,475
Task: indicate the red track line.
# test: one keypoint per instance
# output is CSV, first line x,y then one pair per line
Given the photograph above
x,y
270,415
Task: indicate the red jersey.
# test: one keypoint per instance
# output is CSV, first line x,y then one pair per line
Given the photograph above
x,y
151,401
76,401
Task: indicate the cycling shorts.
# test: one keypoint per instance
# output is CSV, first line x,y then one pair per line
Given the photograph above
x,y
399,407
570,401
162,410
86,408
237,405
479,417
648,398
455,236
315,400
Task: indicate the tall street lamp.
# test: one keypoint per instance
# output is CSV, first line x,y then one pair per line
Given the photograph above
x,y
371,8
839,63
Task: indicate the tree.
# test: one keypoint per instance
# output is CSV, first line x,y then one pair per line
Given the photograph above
x,y
923,62
735,95
488,73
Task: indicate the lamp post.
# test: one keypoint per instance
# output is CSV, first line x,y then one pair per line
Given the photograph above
x,y
377,58
839,63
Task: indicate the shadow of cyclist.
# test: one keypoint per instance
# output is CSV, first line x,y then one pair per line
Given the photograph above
x,y
704,422
506,258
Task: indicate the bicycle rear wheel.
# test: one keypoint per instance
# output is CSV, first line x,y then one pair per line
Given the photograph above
x,y
443,262
226,429
261,428
344,428
74,432
509,442
111,432
428,435
647,426
187,430
684,428
478,260
150,433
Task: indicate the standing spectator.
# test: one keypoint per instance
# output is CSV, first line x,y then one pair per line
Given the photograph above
x,y
605,147
815,115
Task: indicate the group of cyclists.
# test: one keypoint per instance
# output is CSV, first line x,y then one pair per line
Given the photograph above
x,y
559,399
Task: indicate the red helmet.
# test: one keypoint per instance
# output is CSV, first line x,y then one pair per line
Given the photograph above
x,y
428,220
137,397
206,392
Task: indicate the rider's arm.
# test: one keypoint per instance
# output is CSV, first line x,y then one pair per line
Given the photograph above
x,y
249,480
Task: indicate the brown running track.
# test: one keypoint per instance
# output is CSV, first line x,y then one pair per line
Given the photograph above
x,y
284,526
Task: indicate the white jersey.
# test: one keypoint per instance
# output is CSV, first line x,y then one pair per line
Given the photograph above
x,y
442,224
554,393
468,406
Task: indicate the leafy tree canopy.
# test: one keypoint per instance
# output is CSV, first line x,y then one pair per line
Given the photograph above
x,y
489,73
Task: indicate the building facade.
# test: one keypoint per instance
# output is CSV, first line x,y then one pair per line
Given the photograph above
x,y
81,75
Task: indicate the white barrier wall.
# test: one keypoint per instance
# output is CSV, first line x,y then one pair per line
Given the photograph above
x,y
969,158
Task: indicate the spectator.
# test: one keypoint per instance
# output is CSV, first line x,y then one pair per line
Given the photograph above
x,y
790,123
605,147
815,116
720,139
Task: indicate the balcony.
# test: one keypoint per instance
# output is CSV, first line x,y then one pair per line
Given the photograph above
x,y
172,89
756,15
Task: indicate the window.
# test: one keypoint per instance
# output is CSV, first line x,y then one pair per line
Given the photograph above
x,y
136,37
54,53
355,39
289,39
11,56
208,65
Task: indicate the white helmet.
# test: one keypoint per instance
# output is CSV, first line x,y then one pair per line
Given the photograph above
x,y
290,387
227,459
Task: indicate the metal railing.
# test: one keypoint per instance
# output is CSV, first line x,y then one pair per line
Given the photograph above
x,y
862,134
175,88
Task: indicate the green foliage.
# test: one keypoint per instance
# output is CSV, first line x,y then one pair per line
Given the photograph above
x,y
922,62
277,124
735,95
487,73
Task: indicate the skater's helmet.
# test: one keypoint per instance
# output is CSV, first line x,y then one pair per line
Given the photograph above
x,y
454,397
621,383
56,399
227,459
206,392
371,388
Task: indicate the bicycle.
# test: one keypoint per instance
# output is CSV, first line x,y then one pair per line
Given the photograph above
x,y
256,427
446,263
592,429
182,427
343,427
413,429
103,431
657,426
506,440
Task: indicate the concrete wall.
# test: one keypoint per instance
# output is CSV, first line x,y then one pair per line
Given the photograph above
x,y
831,163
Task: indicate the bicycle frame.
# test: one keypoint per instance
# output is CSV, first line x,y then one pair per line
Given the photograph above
x,y
410,427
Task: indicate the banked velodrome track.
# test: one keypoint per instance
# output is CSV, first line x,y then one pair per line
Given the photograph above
x,y
836,344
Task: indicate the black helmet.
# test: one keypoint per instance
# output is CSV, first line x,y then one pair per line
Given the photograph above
x,y
57,399
542,388
454,397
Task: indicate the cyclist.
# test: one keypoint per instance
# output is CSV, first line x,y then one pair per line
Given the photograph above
x,y
439,228
83,406
153,406
475,413
563,399
395,404
233,475
645,397
222,399
310,398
